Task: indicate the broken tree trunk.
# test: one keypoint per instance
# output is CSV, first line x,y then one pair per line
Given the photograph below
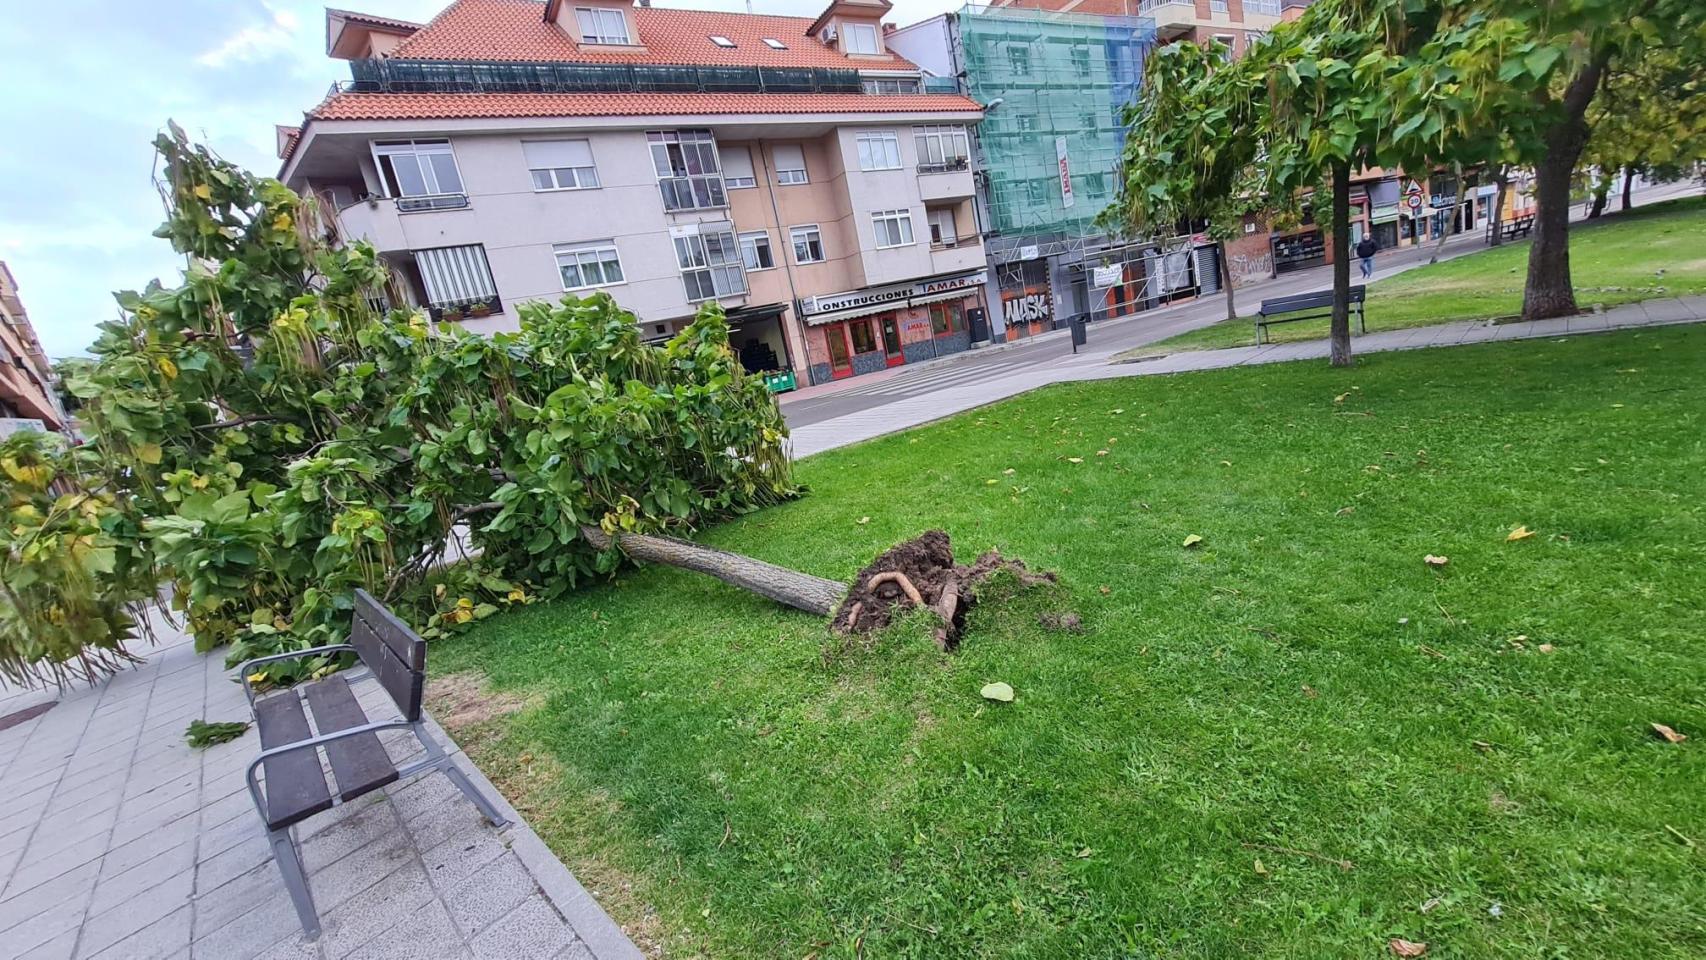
x,y
802,591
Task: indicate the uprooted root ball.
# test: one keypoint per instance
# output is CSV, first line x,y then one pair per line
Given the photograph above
x,y
921,573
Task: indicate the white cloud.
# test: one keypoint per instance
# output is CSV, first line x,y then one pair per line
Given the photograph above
x,y
254,42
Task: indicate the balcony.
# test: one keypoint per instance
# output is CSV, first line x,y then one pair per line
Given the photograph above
x,y
1178,17
387,222
945,181
962,253
459,310
435,201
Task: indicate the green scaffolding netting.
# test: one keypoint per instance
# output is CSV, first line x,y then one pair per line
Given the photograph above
x,y
1058,76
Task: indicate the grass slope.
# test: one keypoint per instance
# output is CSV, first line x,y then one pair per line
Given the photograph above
x,y
734,785
1615,260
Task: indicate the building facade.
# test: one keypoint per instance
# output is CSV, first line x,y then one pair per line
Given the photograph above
x,y
29,389
796,171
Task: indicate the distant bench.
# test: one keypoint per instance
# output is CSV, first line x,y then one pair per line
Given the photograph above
x,y
1282,309
1514,227
290,751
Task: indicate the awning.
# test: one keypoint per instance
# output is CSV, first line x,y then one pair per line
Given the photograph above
x,y
960,294
852,313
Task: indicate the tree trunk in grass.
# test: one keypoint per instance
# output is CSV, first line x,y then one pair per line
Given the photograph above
x,y
1226,282
1463,186
1628,186
1601,193
1341,329
1503,179
1548,291
802,591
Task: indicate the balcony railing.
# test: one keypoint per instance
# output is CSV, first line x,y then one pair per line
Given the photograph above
x,y
1217,6
455,310
693,193
1266,8
945,166
503,76
1151,6
432,201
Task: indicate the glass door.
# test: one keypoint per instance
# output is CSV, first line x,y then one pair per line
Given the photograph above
x,y
891,341
840,357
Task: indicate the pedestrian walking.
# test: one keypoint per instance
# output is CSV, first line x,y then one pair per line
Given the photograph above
x,y
1366,249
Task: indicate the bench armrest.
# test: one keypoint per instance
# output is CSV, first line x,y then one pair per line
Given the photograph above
x,y
248,665
311,742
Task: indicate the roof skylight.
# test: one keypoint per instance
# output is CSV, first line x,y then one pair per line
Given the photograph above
x,y
722,41
774,43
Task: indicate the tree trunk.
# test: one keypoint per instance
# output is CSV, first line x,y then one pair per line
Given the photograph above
x,y
1628,186
1341,329
1226,281
1601,192
1456,210
802,591
1503,179
1548,291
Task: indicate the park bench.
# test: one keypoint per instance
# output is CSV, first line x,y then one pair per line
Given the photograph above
x,y
1514,227
296,782
1281,309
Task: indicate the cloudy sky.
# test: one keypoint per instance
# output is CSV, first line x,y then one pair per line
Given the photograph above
x,y
89,84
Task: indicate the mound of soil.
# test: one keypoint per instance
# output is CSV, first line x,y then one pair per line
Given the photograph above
x,y
921,573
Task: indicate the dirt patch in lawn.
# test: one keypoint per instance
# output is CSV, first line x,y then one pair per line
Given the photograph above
x,y
461,701
921,574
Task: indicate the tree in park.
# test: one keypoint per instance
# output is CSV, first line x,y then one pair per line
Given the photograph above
x,y
1649,118
1189,156
264,439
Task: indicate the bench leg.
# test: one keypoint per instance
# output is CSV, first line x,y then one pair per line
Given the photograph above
x,y
487,809
284,852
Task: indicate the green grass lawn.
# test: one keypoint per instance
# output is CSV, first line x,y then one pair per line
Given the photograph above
x,y
734,783
1612,261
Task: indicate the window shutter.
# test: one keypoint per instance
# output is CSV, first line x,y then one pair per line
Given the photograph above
x,y
545,154
737,162
455,274
789,156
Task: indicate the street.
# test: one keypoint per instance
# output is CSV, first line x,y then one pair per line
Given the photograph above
x,y
1109,337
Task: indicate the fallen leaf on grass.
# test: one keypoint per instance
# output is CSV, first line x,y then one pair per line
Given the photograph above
x,y
1105,591
1482,746
1309,691
1670,736
1101,453
1009,471
1074,459
1519,532
991,482
1344,511
863,520
1407,948
1545,648
1434,561
1431,903
1341,398
997,691
1191,541
1261,871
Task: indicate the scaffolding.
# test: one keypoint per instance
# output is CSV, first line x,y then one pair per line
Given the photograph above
x,y
1055,84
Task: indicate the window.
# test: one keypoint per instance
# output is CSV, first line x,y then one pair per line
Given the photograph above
x,y
946,318
560,164
722,41
942,230
456,276
1019,61
418,168
790,163
940,148
879,151
1227,39
755,251
1026,122
891,85
774,43
894,228
1087,120
808,244
860,37
863,341
601,26
686,165
710,265
588,265
1081,61
737,167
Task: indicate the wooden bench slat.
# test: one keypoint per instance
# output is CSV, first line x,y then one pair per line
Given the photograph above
x,y
359,763
296,786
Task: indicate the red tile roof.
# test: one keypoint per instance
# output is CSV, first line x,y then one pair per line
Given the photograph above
x,y
449,106
516,30
373,20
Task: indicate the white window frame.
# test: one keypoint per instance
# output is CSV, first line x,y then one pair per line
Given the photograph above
x,y
734,179
933,218
692,147
807,232
879,150
716,259
429,174
753,240
594,25
947,146
890,85
774,43
852,33
579,177
590,253
790,176
722,41
899,222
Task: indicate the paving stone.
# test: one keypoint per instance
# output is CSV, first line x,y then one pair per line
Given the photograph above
x,y
218,839
460,857
62,947
68,891
445,821
44,932
236,897
490,893
533,929
422,794
114,887
291,948
266,923
178,833
360,869
216,871
29,873
577,951
373,911
118,923
369,823
426,934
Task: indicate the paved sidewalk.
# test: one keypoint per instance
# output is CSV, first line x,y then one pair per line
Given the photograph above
x,y
1096,364
119,841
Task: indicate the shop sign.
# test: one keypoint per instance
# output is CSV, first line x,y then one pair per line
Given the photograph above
x,y
895,293
1065,172
1442,200
1029,252
1384,214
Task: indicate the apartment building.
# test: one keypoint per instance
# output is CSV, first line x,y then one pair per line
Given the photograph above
x,y
29,389
795,170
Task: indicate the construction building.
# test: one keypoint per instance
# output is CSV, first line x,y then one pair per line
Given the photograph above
x,y
29,390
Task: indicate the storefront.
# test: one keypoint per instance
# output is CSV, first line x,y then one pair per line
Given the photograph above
x,y
1027,298
863,331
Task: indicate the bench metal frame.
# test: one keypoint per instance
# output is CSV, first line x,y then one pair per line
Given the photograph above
x,y
1283,307
283,846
